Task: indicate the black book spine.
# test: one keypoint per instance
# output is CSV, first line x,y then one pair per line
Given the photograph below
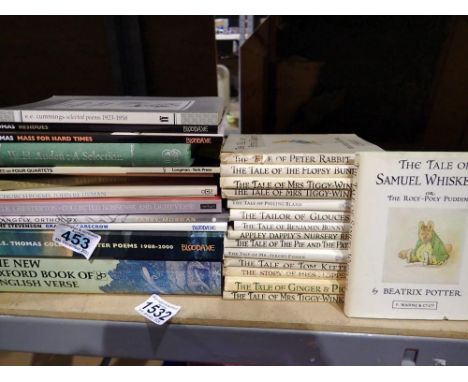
x,y
100,128
79,137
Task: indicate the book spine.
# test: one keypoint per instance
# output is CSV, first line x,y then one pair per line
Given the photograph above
x,y
286,194
284,273
104,206
23,183
107,171
202,227
109,276
260,183
95,154
111,192
285,235
66,127
281,243
290,216
325,255
109,116
284,264
287,171
290,204
264,284
107,219
284,297
78,137
290,226
288,158
135,245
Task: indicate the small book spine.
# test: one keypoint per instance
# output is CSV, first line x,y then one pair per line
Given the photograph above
x,y
101,206
287,171
288,158
290,204
95,154
109,276
135,245
110,192
286,285
130,128
202,227
108,171
79,137
108,116
325,255
286,194
253,225
284,264
285,273
108,219
284,297
281,243
285,235
260,183
290,216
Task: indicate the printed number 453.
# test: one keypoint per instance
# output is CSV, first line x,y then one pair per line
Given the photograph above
x,y
156,311
76,239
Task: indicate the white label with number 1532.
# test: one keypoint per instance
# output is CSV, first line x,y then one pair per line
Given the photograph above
x,y
157,310
76,239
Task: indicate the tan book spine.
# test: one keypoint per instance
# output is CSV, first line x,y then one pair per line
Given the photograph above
x,y
285,235
297,244
236,194
326,255
253,225
284,297
287,170
289,216
287,285
285,273
284,264
307,183
291,204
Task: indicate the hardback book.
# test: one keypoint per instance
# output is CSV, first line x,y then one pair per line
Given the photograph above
x,y
285,183
232,262
291,204
119,110
274,193
109,276
409,236
285,273
294,149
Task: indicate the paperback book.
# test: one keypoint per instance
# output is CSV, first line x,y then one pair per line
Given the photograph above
x,y
409,251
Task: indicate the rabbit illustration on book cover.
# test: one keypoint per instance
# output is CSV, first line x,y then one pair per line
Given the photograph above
x,y
429,249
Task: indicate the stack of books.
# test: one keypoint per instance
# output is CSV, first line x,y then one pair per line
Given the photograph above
x,y
140,172
289,199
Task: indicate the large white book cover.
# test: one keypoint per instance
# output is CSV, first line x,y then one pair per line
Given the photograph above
x,y
299,149
409,236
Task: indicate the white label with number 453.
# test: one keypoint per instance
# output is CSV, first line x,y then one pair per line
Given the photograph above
x,y
76,239
157,310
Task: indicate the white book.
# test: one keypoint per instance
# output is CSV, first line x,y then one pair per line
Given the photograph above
x,y
409,255
284,264
291,204
119,110
326,255
107,170
260,193
252,225
286,235
283,297
287,170
285,273
286,243
209,226
296,149
111,191
307,183
289,216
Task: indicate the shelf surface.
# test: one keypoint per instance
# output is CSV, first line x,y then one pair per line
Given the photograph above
x,y
214,311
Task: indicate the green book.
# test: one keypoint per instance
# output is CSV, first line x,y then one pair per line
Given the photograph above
x,y
96,154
